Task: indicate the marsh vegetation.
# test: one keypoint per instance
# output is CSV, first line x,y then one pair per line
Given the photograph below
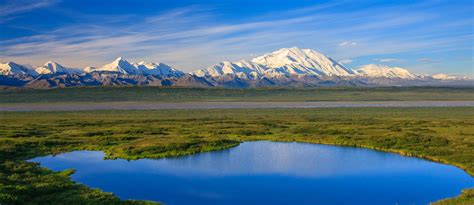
x,y
440,134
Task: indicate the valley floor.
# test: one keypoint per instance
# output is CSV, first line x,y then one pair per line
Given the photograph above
x,y
11,95
442,134
221,105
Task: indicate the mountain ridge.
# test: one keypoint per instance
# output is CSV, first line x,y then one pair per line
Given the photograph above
x,y
379,70
283,62
284,67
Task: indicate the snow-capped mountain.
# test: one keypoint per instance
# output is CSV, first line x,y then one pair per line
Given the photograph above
x,y
157,69
283,62
119,65
384,71
242,69
52,67
122,66
11,68
89,69
291,67
295,61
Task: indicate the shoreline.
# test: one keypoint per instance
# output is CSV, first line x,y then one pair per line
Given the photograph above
x,y
108,155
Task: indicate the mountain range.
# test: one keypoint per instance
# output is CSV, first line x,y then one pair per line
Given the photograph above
x,y
285,67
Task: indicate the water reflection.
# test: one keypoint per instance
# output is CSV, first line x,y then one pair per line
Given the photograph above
x,y
278,173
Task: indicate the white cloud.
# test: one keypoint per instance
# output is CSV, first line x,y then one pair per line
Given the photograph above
x,y
387,60
19,6
346,61
347,44
428,60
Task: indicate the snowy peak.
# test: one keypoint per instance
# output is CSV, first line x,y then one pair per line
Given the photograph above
x,y
121,65
242,69
384,71
157,69
282,57
295,61
283,62
11,68
52,67
52,64
89,69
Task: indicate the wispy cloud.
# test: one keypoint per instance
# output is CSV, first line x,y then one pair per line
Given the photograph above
x,y
346,61
425,60
12,9
387,60
19,6
428,60
347,44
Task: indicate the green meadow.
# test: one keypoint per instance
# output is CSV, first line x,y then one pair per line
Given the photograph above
x,y
444,135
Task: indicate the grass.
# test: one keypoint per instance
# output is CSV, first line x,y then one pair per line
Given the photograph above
x,y
27,183
440,134
466,198
176,94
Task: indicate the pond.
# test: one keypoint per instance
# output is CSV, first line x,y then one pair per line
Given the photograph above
x,y
265,172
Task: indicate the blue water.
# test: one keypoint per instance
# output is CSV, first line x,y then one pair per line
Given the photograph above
x,y
269,173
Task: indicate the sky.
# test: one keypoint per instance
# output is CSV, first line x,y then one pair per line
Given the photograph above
x,y
426,37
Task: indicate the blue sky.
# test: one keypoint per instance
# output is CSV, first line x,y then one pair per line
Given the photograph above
x,y
423,36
